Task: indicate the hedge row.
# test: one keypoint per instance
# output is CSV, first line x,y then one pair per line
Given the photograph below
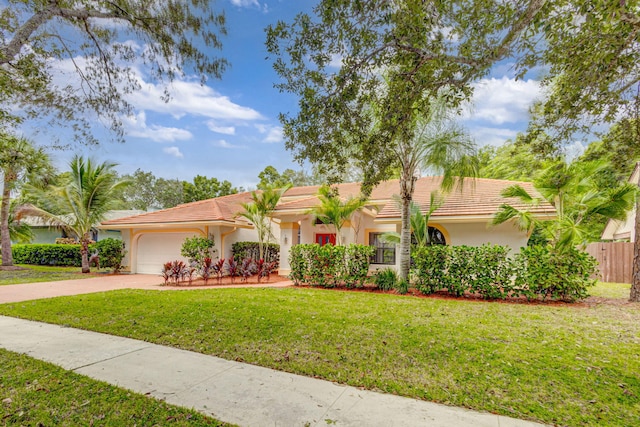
x,y
330,265
47,254
111,252
243,250
536,272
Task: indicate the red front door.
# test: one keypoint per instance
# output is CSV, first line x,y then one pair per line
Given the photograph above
x,y
326,239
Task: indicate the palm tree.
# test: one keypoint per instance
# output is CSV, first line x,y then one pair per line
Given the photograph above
x,y
334,210
18,231
258,212
421,235
81,201
18,159
437,144
573,191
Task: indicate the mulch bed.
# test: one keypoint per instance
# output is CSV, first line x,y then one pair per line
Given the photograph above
x,y
443,295
225,281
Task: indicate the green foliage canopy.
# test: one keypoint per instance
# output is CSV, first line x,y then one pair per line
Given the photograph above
x,y
172,37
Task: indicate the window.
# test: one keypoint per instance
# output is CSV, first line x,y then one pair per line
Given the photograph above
x,y
385,252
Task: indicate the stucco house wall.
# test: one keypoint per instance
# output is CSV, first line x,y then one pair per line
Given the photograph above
x,y
479,233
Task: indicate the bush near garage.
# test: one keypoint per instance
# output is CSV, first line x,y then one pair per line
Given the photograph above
x,y
111,252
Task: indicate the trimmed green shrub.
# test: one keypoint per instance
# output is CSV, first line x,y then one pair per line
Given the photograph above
x,y
197,248
242,250
493,272
431,265
385,279
537,271
111,252
547,272
47,254
357,259
329,265
402,286
298,263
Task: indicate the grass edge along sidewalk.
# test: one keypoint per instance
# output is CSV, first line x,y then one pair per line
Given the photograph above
x,y
560,364
33,392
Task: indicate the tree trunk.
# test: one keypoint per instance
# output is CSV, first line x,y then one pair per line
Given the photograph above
x,y
407,184
7,256
635,278
84,251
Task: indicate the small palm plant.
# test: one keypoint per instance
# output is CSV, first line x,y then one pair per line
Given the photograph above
x,y
335,210
420,231
573,191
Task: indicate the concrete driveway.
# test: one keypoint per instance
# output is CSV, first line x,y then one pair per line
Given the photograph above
x,y
108,282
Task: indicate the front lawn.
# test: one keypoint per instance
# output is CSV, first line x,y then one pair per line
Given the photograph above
x,y
557,363
611,290
42,273
35,393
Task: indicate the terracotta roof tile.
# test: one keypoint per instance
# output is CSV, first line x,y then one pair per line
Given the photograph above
x,y
477,197
219,209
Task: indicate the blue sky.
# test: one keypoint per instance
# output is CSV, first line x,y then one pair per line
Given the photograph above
x,y
229,128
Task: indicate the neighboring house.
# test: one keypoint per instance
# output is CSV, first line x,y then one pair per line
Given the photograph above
x,y
44,233
155,238
624,230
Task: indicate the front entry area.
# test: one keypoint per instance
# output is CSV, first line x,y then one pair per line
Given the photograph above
x,y
326,239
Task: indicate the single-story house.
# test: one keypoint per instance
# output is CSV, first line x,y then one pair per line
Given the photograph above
x,y
464,219
153,238
624,230
45,233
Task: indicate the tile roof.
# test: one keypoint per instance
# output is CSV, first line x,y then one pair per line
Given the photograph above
x,y
223,208
479,197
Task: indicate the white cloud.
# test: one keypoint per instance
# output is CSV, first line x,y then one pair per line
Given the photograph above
x,y
491,136
227,130
245,3
136,126
173,151
273,133
221,143
504,100
190,97
336,61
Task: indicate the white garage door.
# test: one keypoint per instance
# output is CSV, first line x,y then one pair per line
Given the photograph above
x,y
154,249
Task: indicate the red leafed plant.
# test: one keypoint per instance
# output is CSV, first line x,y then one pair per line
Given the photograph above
x,y
232,268
218,269
206,269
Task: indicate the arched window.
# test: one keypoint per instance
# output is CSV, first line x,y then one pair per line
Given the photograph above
x,y
436,236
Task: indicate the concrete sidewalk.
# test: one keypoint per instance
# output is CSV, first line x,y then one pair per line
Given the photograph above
x,y
108,282
230,391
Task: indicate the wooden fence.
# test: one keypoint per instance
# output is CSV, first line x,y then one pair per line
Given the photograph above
x,y
615,260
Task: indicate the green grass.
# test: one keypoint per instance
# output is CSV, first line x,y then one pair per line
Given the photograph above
x,y
611,290
557,363
41,273
35,393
